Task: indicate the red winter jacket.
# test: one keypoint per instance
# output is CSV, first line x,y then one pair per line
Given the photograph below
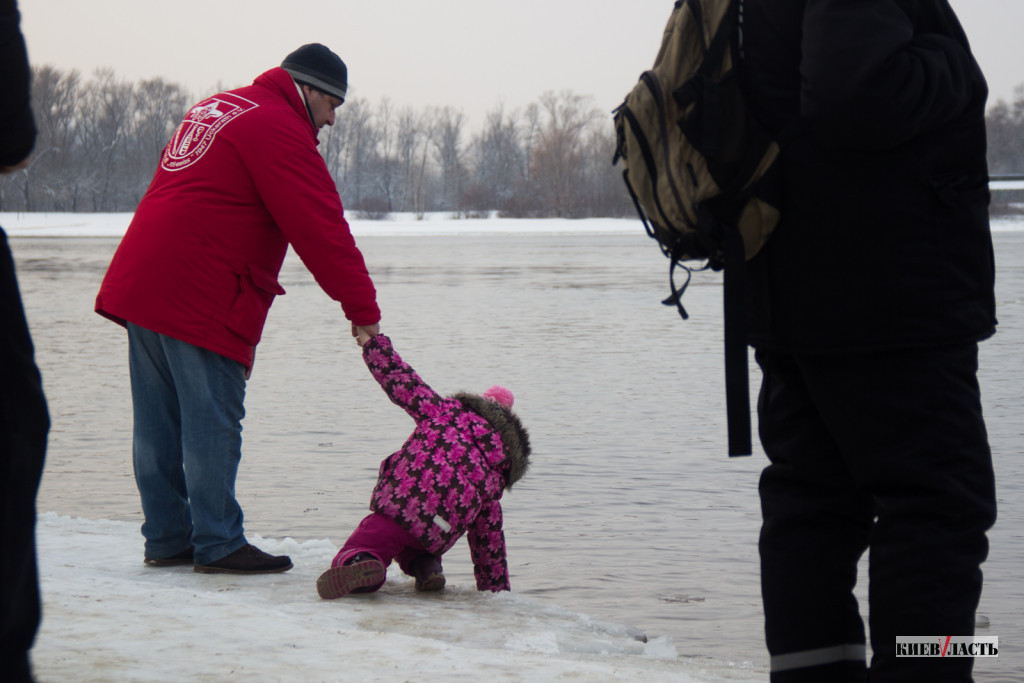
x,y
240,180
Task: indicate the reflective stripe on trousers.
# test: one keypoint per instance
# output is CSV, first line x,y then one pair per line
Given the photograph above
x,y
850,652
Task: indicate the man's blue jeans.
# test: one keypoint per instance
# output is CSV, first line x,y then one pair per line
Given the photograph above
x,y
188,410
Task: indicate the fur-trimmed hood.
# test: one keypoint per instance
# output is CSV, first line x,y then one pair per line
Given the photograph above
x,y
506,423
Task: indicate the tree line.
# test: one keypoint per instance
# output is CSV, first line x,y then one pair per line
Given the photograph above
x,y
100,140
1005,127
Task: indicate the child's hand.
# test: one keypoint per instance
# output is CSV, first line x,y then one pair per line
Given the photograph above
x,y
363,333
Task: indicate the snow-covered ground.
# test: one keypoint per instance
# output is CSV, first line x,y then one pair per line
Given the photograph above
x,y
109,617
115,224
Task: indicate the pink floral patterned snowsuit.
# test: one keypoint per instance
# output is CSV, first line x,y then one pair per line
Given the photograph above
x,y
447,479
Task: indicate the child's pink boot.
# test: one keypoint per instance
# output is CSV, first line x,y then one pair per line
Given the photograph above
x,y
361,573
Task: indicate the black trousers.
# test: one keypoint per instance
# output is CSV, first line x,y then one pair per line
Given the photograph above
x,y
885,451
24,423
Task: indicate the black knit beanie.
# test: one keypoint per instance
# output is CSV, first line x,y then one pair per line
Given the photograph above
x,y
317,66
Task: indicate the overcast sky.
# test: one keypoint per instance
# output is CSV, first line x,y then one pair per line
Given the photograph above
x,y
470,54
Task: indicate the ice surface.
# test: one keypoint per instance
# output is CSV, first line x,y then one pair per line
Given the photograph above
x,y
109,617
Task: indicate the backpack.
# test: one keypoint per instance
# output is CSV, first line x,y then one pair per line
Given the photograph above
x,y
697,166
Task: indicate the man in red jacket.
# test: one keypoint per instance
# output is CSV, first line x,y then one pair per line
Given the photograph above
x,y
194,278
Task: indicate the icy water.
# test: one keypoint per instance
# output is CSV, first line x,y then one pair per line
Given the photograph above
x,y
632,511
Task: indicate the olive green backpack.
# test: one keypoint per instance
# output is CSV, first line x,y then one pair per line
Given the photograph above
x,y
697,164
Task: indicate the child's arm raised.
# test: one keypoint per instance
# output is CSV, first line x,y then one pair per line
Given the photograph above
x,y
400,382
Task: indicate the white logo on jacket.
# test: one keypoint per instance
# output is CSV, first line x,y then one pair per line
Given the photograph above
x,y
200,126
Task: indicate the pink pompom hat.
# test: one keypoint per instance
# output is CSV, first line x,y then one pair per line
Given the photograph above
x,y
500,395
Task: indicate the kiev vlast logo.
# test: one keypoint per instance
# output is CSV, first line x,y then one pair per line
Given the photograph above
x,y
947,646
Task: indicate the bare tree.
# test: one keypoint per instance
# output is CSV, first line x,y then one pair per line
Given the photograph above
x,y
56,98
157,109
1005,127
525,200
447,137
604,193
387,137
558,156
106,109
333,146
413,156
51,181
499,163
357,150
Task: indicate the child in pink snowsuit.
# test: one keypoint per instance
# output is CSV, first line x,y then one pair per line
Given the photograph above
x,y
446,481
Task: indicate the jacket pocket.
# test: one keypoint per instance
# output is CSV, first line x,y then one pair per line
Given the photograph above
x,y
253,297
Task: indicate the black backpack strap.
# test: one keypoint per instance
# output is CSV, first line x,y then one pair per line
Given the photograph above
x,y
652,167
703,85
737,378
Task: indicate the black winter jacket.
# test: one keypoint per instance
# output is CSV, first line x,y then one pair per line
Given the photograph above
x,y
884,240
17,130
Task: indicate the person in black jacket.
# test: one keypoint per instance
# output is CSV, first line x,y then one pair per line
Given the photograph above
x,y
866,308
24,421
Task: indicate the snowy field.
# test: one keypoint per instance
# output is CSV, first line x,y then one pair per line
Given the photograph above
x,y
109,617
115,224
